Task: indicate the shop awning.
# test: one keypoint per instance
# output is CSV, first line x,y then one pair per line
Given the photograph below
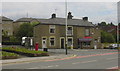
x,y
88,37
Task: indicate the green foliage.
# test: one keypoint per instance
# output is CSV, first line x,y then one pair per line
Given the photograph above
x,y
4,33
105,24
8,54
22,50
13,39
34,23
26,30
102,24
107,37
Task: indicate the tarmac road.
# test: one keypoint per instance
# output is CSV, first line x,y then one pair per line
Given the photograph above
x,y
85,59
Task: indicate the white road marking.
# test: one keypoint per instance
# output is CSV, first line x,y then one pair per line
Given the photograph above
x,y
112,58
89,61
56,65
34,68
84,62
76,63
43,67
50,66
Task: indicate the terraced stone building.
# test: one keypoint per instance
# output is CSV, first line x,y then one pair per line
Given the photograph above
x,y
7,25
81,33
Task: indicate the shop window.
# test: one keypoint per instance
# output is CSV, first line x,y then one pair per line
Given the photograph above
x,y
86,44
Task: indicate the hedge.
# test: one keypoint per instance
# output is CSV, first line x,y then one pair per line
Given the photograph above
x,y
24,51
11,43
8,55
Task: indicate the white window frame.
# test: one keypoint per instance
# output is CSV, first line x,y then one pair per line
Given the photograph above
x,y
67,41
68,30
50,39
45,40
51,27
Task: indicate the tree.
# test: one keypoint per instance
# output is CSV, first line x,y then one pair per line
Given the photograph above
x,y
102,24
26,30
111,24
107,37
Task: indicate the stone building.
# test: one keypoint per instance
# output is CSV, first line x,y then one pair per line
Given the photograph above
x,y
20,21
81,33
7,26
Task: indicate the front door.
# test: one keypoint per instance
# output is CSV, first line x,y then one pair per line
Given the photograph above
x,y
62,41
44,43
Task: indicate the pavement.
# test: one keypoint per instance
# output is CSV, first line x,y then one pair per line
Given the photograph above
x,y
34,59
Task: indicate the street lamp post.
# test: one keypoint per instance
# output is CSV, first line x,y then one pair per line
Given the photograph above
x,y
1,33
118,5
66,25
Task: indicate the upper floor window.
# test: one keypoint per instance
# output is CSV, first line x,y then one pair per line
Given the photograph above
x,y
52,28
70,30
87,32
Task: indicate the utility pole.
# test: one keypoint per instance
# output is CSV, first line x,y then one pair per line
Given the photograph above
x,y
1,33
118,30
27,14
66,26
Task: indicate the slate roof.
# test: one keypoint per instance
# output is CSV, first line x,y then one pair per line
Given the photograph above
x,y
58,21
3,18
62,21
25,19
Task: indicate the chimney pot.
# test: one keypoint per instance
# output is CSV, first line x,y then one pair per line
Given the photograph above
x,y
85,18
69,15
53,15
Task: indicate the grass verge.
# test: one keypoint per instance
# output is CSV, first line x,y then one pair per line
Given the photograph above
x,y
24,51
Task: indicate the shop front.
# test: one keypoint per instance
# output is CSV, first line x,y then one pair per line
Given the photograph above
x,y
84,43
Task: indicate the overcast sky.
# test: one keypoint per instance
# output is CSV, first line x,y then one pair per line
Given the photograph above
x,y
96,11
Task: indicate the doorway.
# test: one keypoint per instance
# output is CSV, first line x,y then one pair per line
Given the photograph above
x,y
44,42
62,42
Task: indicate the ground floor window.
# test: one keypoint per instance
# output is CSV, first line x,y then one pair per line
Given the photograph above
x,y
70,41
52,41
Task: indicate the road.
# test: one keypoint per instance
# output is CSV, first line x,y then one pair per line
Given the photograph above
x,y
85,59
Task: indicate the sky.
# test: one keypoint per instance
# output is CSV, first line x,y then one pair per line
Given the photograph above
x,y
95,11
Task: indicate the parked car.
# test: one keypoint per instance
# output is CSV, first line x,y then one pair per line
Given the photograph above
x,y
113,46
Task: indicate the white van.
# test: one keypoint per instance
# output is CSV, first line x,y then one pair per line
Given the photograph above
x,y
23,41
114,46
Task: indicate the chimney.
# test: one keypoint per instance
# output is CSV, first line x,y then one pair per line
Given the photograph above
x,y
53,15
85,18
69,15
